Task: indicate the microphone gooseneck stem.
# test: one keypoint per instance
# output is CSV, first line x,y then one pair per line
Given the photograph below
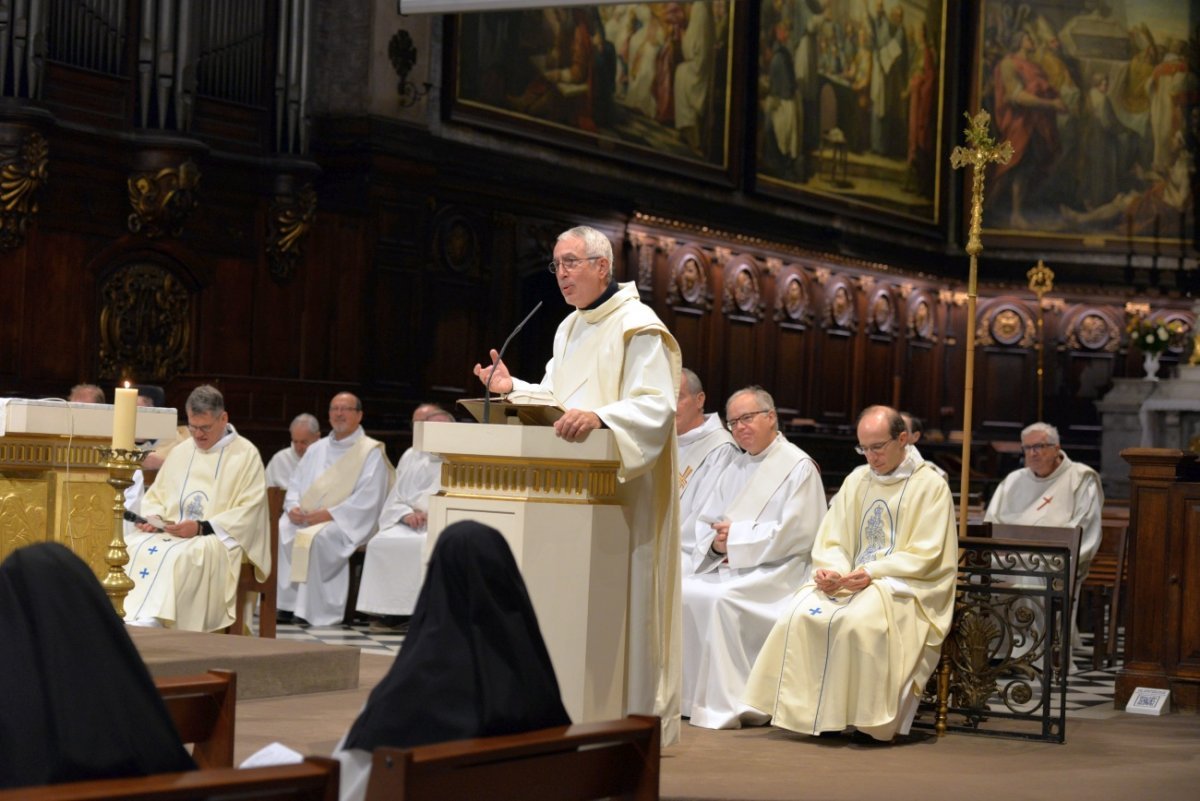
x,y
487,389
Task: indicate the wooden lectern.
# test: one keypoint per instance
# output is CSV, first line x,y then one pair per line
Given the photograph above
x,y
52,485
556,504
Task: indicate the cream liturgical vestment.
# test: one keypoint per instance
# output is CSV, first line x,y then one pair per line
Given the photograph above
x,y
349,477
394,567
860,659
775,502
192,583
703,453
1070,496
281,467
619,361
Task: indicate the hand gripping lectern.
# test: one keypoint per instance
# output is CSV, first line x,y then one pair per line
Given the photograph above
x,y
555,502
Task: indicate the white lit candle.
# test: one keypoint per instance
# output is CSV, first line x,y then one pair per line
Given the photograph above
x,y
124,418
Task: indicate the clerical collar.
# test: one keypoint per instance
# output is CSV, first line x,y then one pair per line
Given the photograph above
x,y
226,438
346,440
608,292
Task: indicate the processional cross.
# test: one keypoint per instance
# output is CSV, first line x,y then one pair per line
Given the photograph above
x,y
981,151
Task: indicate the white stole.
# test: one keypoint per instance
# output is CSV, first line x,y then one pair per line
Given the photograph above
x,y
330,488
698,452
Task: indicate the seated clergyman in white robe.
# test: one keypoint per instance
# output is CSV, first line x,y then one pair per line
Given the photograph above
x,y
769,502
616,365
331,508
211,492
304,430
856,645
705,449
1052,490
393,567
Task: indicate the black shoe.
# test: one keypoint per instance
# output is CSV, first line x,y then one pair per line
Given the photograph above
x,y
284,616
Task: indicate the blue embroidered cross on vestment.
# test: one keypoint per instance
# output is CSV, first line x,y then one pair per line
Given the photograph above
x,y
144,573
152,549
816,610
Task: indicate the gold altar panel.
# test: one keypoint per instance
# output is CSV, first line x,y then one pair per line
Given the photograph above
x,y
25,499
84,520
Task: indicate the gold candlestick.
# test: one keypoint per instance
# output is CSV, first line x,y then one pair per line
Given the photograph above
x,y
981,151
1041,281
121,465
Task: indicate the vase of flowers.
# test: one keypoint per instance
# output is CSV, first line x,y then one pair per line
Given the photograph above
x,y
1152,339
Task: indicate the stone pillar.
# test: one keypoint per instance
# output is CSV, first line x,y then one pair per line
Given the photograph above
x,y
1120,430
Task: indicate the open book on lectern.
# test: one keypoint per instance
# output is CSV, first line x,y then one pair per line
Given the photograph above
x,y
529,408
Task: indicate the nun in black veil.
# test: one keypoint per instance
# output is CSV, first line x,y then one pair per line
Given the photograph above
x,y
77,701
472,665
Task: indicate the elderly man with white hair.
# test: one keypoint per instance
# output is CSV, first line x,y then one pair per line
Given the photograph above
x,y
1051,490
705,449
753,539
304,430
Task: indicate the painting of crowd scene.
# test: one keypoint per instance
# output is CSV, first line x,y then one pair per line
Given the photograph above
x,y
849,100
1099,101
651,77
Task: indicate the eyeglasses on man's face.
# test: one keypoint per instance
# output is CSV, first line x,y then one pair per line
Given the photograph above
x,y
745,419
1037,448
863,450
339,408
568,263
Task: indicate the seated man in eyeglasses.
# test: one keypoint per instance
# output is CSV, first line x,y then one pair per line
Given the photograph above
x,y
211,495
753,538
855,646
1052,490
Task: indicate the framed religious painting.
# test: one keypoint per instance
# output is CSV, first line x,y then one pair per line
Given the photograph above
x,y
849,104
1098,102
650,83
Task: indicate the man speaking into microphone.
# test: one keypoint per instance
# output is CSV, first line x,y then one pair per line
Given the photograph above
x,y
615,365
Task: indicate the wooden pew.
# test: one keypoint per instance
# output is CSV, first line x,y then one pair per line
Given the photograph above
x,y
202,708
269,589
613,759
314,779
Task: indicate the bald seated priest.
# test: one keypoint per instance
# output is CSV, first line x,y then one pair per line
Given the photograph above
x,y
856,645
86,393
304,430
753,540
393,567
705,448
212,496
331,508
616,366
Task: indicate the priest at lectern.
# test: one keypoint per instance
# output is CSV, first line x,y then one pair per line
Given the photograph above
x,y
616,366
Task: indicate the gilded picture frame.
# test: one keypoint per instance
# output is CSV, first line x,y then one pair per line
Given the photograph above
x,y
850,102
650,83
1095,105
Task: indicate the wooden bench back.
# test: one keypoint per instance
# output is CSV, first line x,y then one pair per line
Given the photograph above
x,y
202,708
614,759
314,779
269,589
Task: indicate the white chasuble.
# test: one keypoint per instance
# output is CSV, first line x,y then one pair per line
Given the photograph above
x,y
704,452
775,503
619,361
1070,496
192,583
320,595
857,659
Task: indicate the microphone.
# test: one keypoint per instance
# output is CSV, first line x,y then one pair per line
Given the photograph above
x,y
487,389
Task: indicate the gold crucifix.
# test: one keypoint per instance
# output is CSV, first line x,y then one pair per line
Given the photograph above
x,y
1041,281
981,151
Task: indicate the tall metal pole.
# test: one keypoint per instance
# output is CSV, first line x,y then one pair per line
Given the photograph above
x,y
1041,281
981,150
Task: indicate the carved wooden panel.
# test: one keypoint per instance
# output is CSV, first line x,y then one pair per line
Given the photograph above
x,y
743,290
